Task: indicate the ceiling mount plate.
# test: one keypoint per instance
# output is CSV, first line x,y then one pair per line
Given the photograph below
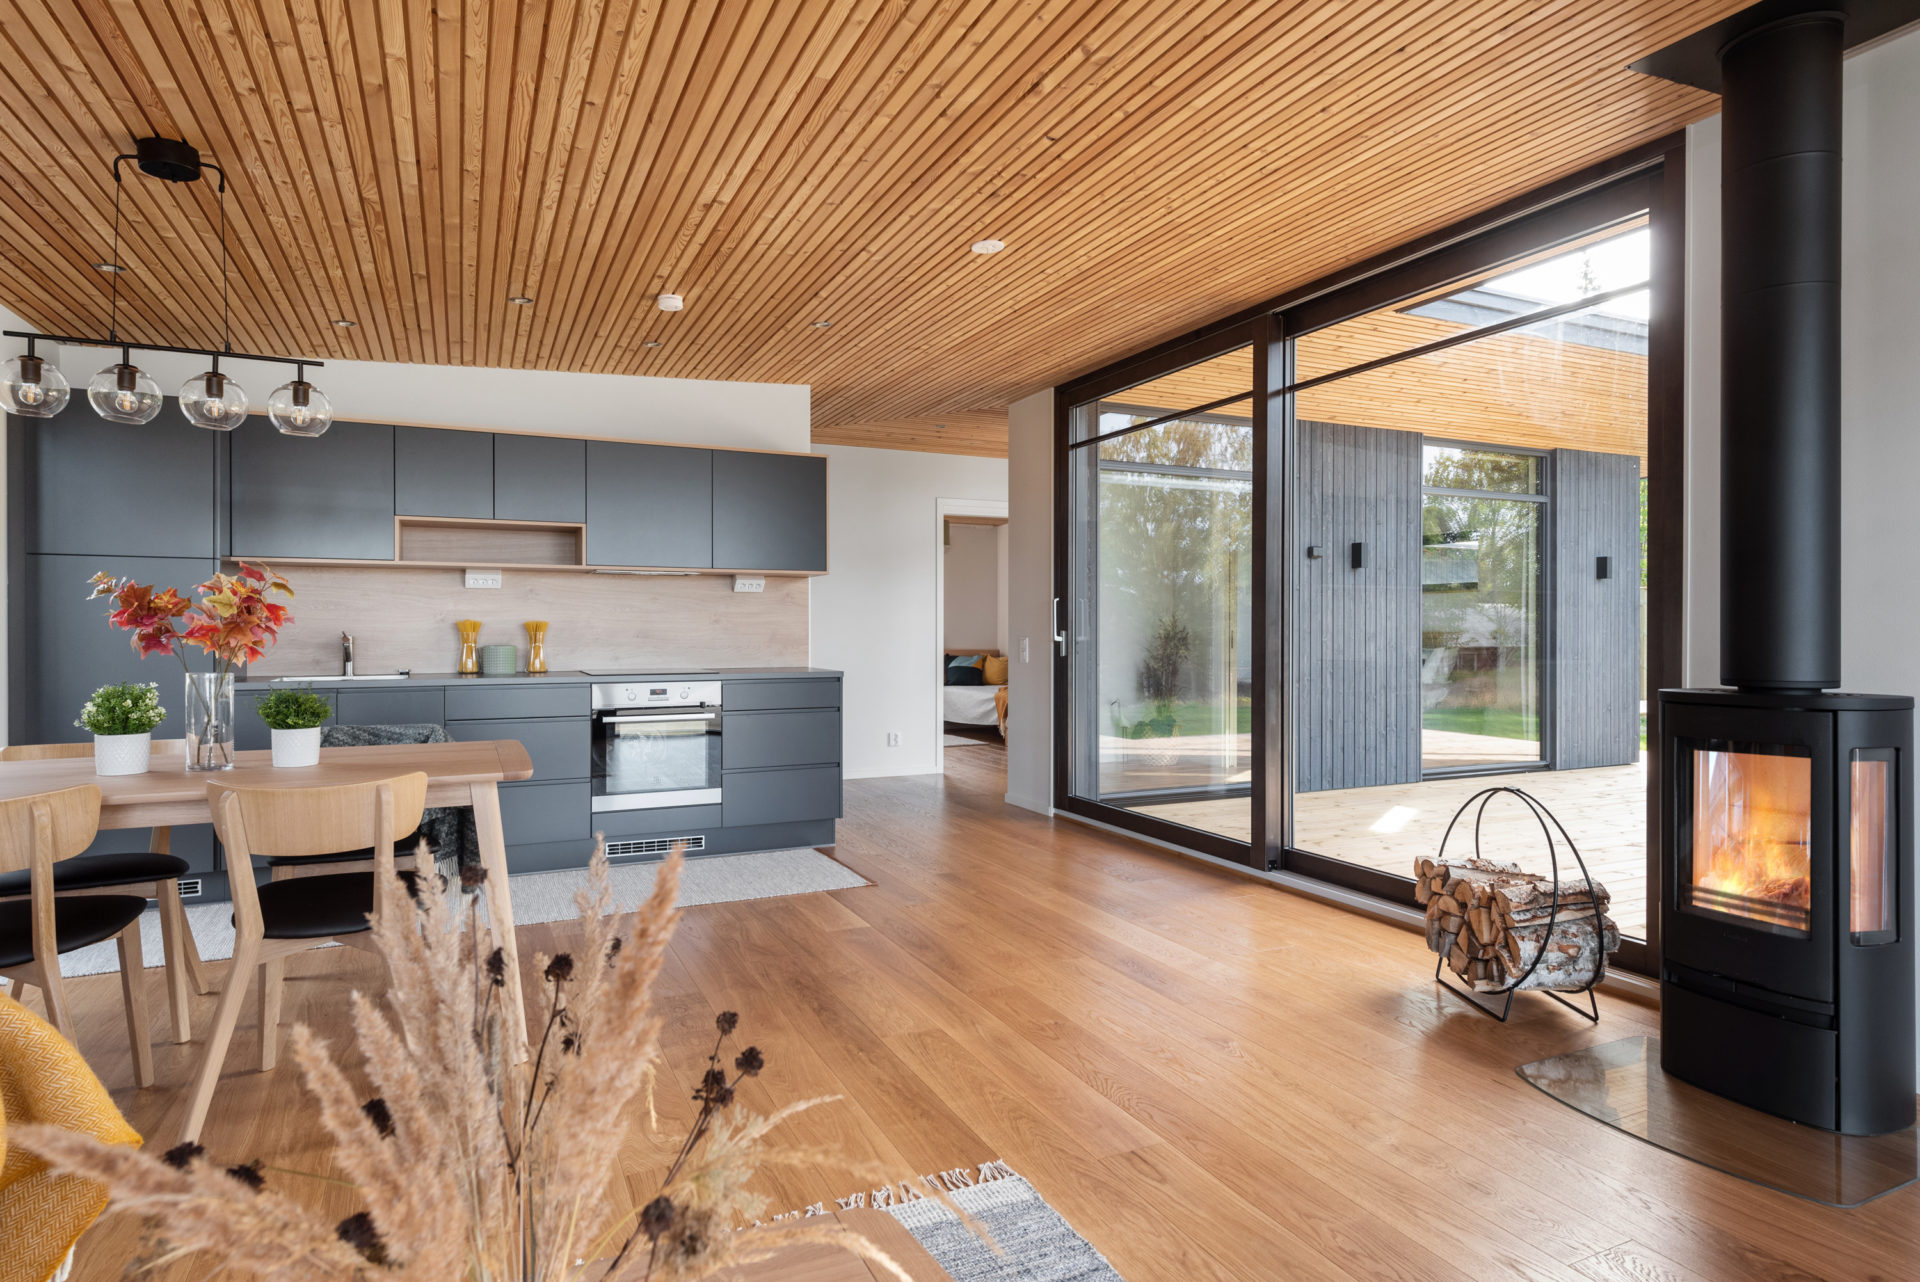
x,y
1695,60
167,159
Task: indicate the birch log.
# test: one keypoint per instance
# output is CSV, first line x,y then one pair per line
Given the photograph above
x,y
1491,921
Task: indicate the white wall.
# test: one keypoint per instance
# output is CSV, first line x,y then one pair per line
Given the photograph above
x,y
972,559
873,613
1030,602
1880,378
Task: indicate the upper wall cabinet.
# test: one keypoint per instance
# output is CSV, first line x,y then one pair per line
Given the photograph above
x,y
89,487
649,505
539,478
329,498
769,511
442,473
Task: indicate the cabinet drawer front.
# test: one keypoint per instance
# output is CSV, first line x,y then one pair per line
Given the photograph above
x,y
780,796
423,706
561,748
670,821
476,703
754,740
754,696
537,812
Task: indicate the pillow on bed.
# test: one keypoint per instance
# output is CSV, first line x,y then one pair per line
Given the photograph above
x,y
964,660
963,674
993,670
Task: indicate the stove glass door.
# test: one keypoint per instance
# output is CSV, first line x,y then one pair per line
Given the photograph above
x,y
1746,834
1870,833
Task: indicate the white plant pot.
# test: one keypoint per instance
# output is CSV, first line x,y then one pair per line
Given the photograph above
x,y
122,754
296,747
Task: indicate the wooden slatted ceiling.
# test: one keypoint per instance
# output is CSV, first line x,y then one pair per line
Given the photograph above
x,y
1150,166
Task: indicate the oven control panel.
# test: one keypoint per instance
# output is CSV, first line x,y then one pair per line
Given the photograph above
x,y
656,694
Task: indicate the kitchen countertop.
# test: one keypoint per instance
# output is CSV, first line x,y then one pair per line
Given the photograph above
x,y
549,678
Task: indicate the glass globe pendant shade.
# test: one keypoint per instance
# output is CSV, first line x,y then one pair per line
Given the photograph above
x,y
32,388
124,393
213,401
300,409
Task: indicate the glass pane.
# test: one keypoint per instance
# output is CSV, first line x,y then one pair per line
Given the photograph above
x,y
1229,374
1479,631
1495,621
1870,839
1746,837
1602,261
1162,652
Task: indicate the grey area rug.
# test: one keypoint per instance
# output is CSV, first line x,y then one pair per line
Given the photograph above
x,y
1036,1244
538,897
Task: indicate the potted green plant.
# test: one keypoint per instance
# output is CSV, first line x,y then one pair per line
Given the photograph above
x,y
295,717
122,719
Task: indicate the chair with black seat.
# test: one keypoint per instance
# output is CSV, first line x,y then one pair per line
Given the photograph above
x,y
281,918
433,826
153,873
37,833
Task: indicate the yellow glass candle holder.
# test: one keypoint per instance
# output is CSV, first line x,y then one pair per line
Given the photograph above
x,y
469,644
536,645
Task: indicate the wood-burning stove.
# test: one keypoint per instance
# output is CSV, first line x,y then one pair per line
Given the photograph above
x,y
1786,915
1785,925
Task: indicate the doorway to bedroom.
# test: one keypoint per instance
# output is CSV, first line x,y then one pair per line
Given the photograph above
x,y
971,635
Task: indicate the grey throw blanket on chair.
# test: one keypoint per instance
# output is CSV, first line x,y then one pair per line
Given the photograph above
x,y
448,829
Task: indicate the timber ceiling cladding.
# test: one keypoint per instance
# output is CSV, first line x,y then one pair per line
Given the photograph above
x,y
409,166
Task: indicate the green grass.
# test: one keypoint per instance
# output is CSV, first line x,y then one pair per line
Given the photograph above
x,y
1497,723
1195,716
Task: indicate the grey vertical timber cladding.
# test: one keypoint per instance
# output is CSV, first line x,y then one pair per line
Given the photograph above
x,y
649,505
769,511
324,498
1596,622
1356,687
437,472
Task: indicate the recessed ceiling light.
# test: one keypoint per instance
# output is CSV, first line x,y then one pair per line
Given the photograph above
x,y
669,302
345,324
108,267
651,342
988,246
823,324
521,300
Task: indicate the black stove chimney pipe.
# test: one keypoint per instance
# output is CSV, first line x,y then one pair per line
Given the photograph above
x,y
1780,360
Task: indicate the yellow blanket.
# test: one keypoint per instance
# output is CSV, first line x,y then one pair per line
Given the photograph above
x,y
43,1079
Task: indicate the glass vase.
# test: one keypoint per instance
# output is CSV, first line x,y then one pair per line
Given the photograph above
x,y
209,704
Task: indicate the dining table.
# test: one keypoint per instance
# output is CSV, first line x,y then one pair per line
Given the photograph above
x,y
466,774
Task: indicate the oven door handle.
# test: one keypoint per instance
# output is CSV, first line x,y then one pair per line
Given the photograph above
x,y
664,716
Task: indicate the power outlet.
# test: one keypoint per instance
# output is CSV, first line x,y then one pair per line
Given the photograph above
x,y
749,583
483,578
893,738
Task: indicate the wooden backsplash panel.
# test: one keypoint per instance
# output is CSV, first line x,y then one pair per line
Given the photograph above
x,y
402,617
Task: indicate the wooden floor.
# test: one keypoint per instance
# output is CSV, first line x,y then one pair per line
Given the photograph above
x,y
1209,1077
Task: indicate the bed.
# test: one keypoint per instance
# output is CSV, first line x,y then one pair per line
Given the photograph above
x,y
976,705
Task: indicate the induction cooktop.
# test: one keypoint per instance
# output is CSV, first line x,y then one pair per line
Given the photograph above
x,y
629,672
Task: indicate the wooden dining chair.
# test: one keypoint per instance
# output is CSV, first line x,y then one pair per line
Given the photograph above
x,y
153,873
406,848
37,833
274,921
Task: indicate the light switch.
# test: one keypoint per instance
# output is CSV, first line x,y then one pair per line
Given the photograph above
x,y
1025,654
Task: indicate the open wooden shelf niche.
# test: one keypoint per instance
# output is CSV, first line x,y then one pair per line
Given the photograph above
x,y
463,541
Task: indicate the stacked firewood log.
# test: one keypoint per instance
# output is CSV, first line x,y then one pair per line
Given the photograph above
x,y
1491,920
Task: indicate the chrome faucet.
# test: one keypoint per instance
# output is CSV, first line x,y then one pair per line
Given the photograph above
x,y
346,654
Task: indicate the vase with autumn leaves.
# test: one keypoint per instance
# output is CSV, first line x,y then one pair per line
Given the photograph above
x,y
233,622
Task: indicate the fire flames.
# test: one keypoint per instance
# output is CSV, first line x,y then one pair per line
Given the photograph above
x,y
1752,822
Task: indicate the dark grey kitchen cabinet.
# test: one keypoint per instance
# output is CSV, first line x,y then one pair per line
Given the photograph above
x,y
64,650
539,478
754,740
324,498
442,473
649,505
402,706
780,796
769,511
84,485
559,747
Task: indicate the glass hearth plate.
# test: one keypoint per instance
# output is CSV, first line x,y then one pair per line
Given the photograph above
x,y
1621,1084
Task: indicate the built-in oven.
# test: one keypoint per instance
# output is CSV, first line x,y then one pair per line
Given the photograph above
x,y
656,744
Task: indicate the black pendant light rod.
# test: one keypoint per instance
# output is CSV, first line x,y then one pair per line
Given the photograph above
x,y
78,341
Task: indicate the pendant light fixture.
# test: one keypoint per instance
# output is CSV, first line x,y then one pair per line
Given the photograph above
x,y
124,393
298,408
32,388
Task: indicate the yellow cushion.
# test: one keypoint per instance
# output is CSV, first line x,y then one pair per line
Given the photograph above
x,y
43,1079
993,670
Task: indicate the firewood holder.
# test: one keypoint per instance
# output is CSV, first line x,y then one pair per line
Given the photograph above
x,y
1549,825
